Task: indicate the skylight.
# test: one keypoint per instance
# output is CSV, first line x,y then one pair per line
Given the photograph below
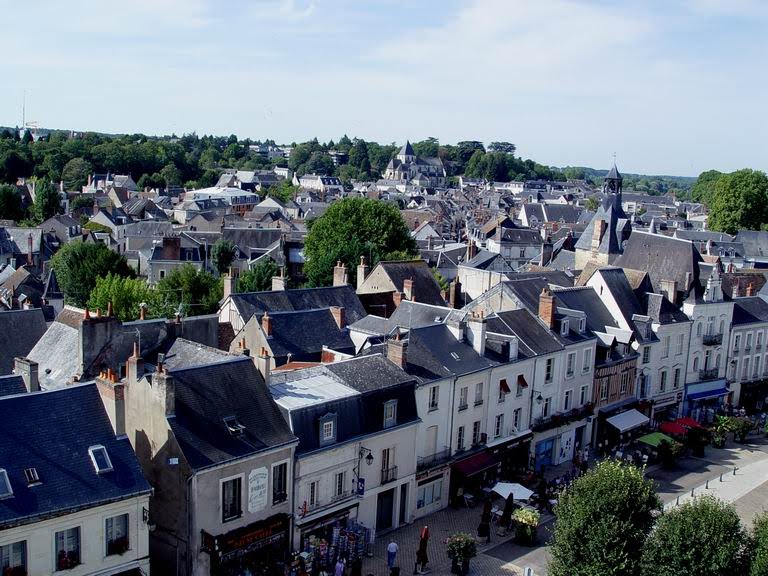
x,y
31,476
234,427
5,485
100,459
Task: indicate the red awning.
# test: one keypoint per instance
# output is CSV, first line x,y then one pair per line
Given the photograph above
x,y
475,464
688,422
504,386
673,428
521,381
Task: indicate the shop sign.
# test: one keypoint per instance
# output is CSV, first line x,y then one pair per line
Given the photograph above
x,y
361,486
667,400
257,489
257,535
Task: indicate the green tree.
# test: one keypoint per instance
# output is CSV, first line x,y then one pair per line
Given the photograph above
x,y
47,200
351,228
188,291
283,191
704,187
258,278
78,264
125,294
739,201
592,204
222,254
358,158
504,147
702,537
759,548
81,201
170,174
602,521
10,203
75,173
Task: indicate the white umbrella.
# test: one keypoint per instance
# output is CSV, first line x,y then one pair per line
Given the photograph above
x,y
518,491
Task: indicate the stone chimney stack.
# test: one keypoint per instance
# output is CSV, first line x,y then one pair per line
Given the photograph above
x,y
29,372
476,332
471,250
547,308
513,348
546,252
112,393
669,289
340,274
597,234
339,316
230,284
408,289
164,389
454,294
279,283
134,368
362,271
397,297
30,261
397,351
266,324
264,364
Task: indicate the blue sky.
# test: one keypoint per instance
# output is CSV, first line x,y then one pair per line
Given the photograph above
x,y
672,87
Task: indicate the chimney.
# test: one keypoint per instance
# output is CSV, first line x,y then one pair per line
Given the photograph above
x,y
397,297
164,390
340,274
546,252
513,348
339,316
597,234
264,364
669,289
266,324
476,332
112,394
30,262
142,311
454,294
171,248
134,368
279,282
408,289
397,351
28,370
547,308
736,290
471,250
362,271
95,209
429,242
230,284
750,290
109,308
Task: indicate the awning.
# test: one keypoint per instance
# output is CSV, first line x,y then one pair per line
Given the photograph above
x,y
688,422
708,394
504,386
654,439
518,491
521,381
628,420
673,428
475,464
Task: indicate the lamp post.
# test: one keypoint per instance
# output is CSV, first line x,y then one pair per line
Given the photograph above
x,y
368,455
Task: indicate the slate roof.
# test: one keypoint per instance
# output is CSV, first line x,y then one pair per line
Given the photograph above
x,y
51,432
303,333
755,243
20,330
406,150
368,373
185,353
749,310
662,311
425,287
534,339
618,285
12,384
207,394
588,301
251,303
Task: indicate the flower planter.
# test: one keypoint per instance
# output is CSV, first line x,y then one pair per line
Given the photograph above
x,y
525,535
462,569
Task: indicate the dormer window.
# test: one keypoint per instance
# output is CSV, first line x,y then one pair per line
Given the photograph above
x,y
100,459
5,485
328,429
582,325
390,413
564,327
32,477
233,426
648,330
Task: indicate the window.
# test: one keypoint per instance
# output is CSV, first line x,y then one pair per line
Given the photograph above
x,y
665,347
745,373
390,413
564,327
327,429
463,395
14,556
582,325
587,359
759,340
313,493
434,396
231,499
339,483
748,344
31,476
476,432
567,400
663,381
503,390
736,342
162,274
549,370
5,485
680,343
478,393
756,370
646,354
698,329
279,483
67,548
498,428
676,380
583,395
735,373
547,407
429,493
522,252
604,390
460,439
569,364
624,383
116,534
695,363
516,416
100,459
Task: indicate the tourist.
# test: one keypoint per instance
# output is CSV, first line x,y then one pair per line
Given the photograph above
x,y
391,554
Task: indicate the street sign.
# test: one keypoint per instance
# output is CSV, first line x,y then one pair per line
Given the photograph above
x,y
361,486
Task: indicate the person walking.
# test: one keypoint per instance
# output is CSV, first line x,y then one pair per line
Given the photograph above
x,y
484,529
421,553
392,549
340,565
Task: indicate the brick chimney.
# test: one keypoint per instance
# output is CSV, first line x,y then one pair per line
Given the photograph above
x,y
408,290
28,370
134,367
266,324
362,271
597,234
279,282
339,316
471,250
112,393
750,290
142,311
397,297
171,248
340,274
397,351
454,294
547,308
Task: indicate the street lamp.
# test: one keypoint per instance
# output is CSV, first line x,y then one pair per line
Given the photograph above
x,y
539,399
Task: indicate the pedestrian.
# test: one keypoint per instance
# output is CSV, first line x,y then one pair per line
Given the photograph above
x,y
340,565
421,554
484,529
391,554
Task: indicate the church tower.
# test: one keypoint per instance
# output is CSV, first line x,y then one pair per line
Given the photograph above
x,y
613,182
406,154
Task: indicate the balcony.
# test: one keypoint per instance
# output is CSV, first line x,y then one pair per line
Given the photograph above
x,y
439,457
389,475
562,418
308,509
712,339
709,374
463,406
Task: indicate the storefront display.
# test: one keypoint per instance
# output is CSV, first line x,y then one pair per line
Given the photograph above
x,y
259,548
324,544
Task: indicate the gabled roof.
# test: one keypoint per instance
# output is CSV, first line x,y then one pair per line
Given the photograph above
x,y
56,351
533,338
749,310
51,432
406,150
185,353
425,287
20,330
12,384
207,394
303,333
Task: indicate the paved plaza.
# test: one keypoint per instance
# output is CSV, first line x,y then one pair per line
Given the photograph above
x,y
747,489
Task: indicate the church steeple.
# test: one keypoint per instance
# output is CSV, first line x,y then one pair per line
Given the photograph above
x,y
406,153
613,181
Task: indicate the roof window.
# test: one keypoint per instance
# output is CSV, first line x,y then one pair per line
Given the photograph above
x,y
234,427
100,459
5,485
32,477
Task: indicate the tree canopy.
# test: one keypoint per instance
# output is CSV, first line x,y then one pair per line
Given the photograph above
x,y
739,200
704,187
759,547
223,254
349,229
78,264
75,173
125,294
47,201
10,203
258,278
188,291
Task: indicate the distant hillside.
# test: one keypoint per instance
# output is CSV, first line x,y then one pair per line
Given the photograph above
x,y
655,184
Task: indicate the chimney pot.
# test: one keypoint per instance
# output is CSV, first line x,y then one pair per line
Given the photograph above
x,y
29,372
547,308
397,351
142,312
266,324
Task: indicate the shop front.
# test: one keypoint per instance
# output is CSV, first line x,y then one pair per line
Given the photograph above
x,y
558,448
703,400
259,548
618,424
470,475
512,454
432,490
754,396
666,407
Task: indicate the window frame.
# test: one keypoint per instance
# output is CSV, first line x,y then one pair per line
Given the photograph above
x,y
56,550
587,364
498,426
276,465
224,481
390,420
127,536
434,397
24,555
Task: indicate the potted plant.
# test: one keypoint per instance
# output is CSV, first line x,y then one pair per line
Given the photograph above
x,y
720,431
741,426
526,522
461,548
669,452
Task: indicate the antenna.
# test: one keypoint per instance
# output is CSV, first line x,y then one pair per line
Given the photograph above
x,y
24,110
